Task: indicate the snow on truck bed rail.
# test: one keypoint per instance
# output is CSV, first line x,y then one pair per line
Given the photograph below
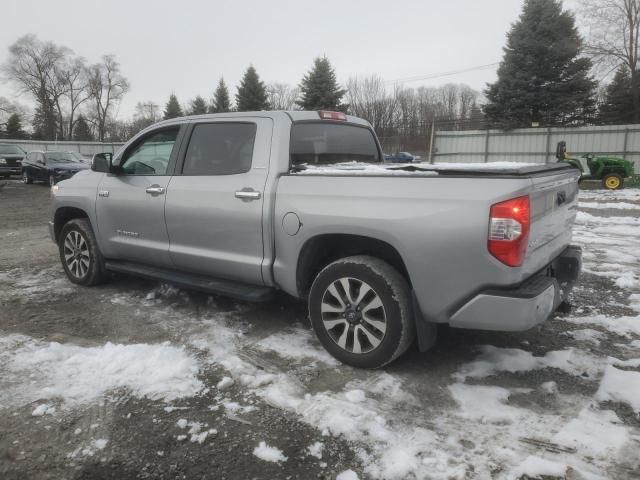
x,y
404,169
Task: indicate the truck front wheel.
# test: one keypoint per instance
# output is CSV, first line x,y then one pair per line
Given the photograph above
x,y
613,181
360,309
79,253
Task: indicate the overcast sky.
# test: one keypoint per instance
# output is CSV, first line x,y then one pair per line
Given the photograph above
x,y
185,46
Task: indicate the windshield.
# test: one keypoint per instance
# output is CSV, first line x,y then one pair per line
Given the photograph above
x,y
324,143
79,157
10,150
60,157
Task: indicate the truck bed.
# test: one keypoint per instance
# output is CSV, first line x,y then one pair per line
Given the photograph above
x,y
440,169
435,216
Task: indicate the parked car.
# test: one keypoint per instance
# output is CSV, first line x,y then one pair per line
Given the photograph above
x,y
243,204
81,158
11,157
401,157
50,167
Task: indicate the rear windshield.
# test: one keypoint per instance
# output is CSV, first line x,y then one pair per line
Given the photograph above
x,y
60,157
324,143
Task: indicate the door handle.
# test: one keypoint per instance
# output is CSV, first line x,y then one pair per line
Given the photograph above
x,y
248,194
155,190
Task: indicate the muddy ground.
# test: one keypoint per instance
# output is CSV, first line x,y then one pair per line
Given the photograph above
x,y
36,301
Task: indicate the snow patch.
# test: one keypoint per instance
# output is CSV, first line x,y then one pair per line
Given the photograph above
x,y
226,382
315,450
620,386
347,475
487,404
269,454
44,409
296,344
579,433
81,374
493,360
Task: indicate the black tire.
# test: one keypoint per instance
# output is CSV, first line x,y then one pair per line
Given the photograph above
x,y
89,267
26,178
613,181
388,286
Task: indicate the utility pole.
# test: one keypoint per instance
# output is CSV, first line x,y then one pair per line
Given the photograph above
x,y
433,129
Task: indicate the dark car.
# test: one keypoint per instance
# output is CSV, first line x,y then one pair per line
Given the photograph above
x,y
10,160
50,167
401,157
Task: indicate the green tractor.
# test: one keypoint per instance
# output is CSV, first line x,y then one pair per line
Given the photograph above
x,y
611,171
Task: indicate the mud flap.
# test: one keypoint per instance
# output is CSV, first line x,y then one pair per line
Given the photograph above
x,y
427,332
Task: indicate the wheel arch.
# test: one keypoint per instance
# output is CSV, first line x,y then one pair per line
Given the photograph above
x,y
64,215
321,250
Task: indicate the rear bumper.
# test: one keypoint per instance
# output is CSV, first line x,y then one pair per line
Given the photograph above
x,y
526,305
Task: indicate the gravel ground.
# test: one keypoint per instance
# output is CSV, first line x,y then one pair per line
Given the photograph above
x,y
123,434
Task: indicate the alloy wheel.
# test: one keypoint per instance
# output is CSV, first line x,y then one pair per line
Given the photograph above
x,y
353,315
76,254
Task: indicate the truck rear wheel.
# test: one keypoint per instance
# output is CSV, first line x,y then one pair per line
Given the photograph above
x,y
80,255
360,309
613,181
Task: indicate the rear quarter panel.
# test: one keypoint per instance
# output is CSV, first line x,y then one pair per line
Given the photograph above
x,y
437,224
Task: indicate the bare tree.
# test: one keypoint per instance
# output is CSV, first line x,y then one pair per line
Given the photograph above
x,y
32,67
73,76
613,38
107,87
147,113
368,98
282,96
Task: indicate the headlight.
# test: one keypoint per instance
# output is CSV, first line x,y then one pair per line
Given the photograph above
x,y
3,161
57,171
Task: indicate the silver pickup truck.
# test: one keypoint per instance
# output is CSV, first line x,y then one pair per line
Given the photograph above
x,y
244,204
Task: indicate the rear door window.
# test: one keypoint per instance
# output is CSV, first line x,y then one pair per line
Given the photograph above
x,y
220,149
324,143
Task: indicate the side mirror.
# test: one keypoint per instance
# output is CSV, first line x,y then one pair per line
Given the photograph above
x,y
41,162
101,162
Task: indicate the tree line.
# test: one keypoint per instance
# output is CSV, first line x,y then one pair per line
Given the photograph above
x,y
546,78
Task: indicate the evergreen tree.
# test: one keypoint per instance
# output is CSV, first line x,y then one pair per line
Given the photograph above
x,y
221,102
198,106
172,109
14,129
45,123
476,118
82,131
252,94
541,77
320,89
618,103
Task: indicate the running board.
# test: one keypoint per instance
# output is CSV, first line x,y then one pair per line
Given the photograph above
x,y
227,288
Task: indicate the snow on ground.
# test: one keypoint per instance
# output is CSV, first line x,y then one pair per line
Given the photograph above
x,y
610,205
296,344
620,386
624,195
77,374
347,475
480,427
493,360
269,454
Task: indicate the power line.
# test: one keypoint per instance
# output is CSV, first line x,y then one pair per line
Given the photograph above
x,y
443,74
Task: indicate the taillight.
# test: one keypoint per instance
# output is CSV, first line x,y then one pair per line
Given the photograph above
x,y
509,224
327,115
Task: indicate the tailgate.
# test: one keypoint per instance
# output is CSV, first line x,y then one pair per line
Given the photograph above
x,y
553,202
